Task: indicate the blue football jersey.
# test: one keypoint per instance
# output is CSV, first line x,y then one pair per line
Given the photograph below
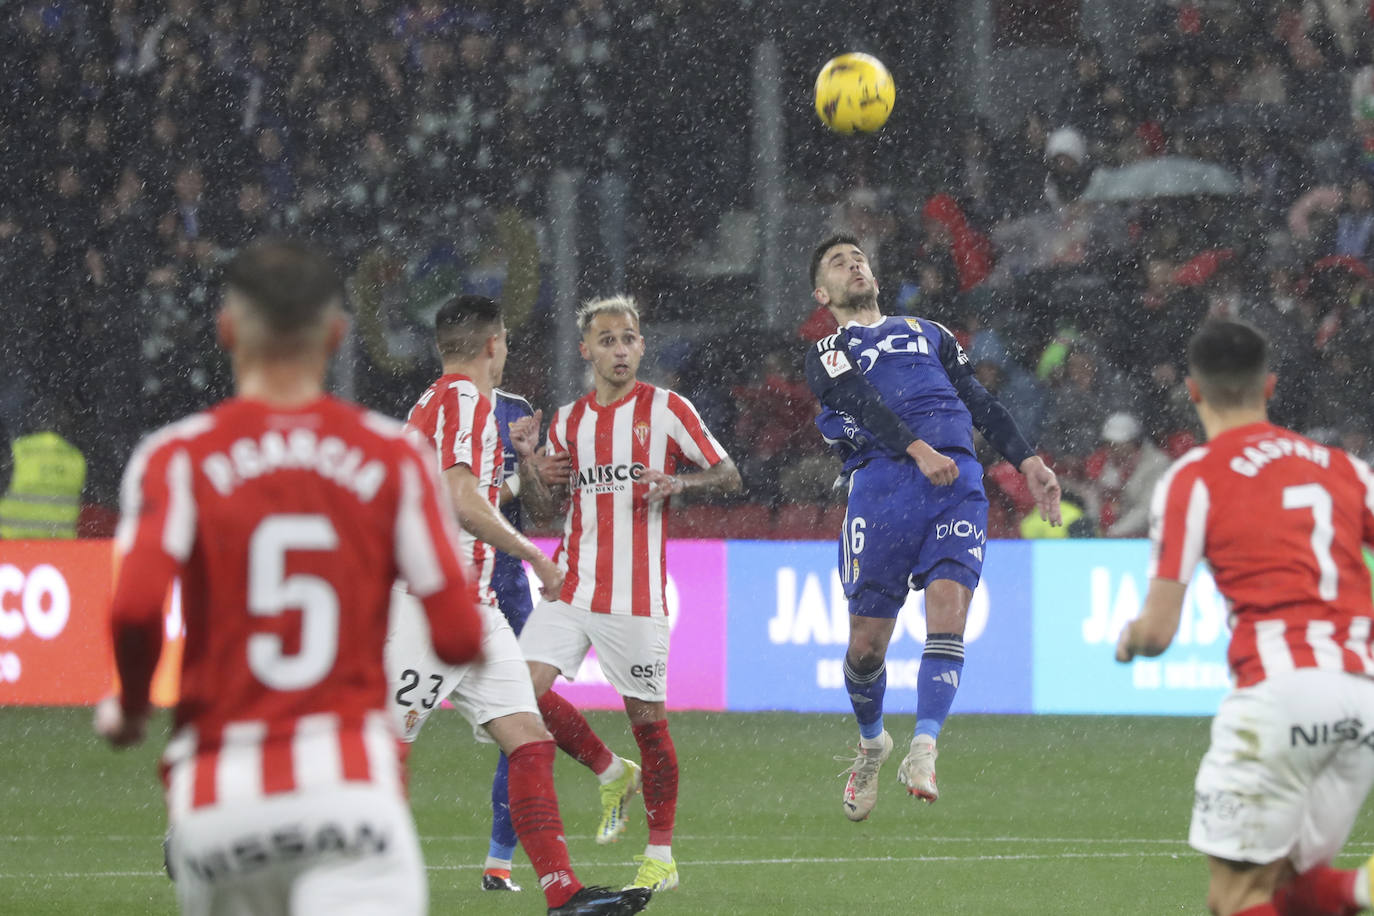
x,y
913,364
508,577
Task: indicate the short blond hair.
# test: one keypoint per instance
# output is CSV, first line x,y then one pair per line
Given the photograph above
x,y
611,305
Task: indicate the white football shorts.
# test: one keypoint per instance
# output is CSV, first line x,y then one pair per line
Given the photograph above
x,y
418,681
633,651
350,850
1290,764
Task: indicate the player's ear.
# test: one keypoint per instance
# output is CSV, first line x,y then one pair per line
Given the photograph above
x,y
336,329
225,332
1194,392
1271,382
582,348
821,296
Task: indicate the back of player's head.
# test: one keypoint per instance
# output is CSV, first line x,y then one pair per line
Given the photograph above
x,y
463,325
839,238
1229,361
611,305
286,284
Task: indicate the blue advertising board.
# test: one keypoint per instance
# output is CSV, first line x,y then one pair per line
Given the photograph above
x,y
1085,591
788,629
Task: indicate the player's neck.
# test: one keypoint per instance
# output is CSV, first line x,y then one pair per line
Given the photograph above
x,y
279,384
1217,422
479,372
864,314
610,392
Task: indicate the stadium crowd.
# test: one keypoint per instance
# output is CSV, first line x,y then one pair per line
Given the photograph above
x,y
147,141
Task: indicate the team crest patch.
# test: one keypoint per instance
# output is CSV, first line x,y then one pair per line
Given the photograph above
x,y
642,432
915,325
411,718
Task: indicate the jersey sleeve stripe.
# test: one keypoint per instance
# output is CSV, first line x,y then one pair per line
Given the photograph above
x,y
1366,477
416,556
179,527
1171,514
698,445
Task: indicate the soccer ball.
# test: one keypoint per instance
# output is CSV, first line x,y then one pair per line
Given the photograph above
x,y
854,92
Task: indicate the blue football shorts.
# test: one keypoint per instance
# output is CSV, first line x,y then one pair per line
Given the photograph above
x,y
901,532
512,589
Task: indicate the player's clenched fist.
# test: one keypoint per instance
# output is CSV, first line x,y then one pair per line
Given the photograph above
x,y
939,469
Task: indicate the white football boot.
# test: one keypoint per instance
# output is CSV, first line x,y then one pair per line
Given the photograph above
x,y
861,790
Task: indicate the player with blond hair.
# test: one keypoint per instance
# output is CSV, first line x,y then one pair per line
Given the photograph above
x,y
626,440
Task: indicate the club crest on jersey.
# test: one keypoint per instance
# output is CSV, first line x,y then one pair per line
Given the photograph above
x,y
642,432
412,717
913,323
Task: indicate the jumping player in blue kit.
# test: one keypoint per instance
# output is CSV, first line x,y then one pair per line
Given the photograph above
x,y
900,399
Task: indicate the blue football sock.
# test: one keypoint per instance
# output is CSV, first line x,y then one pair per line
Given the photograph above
x,y
503,837
866,692
942,663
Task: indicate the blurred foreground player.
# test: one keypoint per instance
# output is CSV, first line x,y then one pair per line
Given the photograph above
x,y
455,415
1281,521
626,440
287,514
901,398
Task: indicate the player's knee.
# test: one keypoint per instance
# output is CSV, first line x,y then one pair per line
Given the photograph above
x,y
865,657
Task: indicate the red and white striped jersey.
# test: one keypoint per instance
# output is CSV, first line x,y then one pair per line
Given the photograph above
x,y
459,421
614,540
287,528
1282,521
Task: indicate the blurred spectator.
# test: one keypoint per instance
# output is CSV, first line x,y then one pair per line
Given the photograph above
x,y
47,475
774,414
1124,471
1082,394
947,231
1066,154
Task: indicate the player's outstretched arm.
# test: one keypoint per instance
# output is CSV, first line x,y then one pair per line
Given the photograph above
x,y
1151,632
480,517
721,478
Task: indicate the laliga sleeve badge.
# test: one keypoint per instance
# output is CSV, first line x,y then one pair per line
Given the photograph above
x,y
836,363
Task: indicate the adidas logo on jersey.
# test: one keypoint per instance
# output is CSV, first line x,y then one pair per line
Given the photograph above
x,y
977,552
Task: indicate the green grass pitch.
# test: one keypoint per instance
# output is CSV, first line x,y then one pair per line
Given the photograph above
x,y
1038,815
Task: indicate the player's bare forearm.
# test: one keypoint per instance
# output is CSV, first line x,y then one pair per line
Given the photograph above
x,y
1152,632
136,622
723,477
480,517
538,496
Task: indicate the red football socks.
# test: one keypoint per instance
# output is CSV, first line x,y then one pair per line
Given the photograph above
x,y
534,814
573,733
659,758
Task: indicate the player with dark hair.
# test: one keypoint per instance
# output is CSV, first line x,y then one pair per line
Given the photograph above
x,y
626,440
287,514
1282,521
901,398
455,416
